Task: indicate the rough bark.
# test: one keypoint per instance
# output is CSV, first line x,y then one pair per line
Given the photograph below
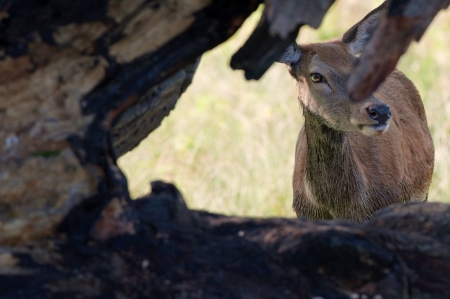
x,y
406,21
404,252
66,77
138,121
81,81
278,28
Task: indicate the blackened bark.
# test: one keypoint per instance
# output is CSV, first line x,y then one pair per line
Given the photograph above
x,y
406,21
138,121
82,81
180,253
86,72
277,29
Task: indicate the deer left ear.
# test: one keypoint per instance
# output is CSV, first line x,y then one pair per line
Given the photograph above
x,y
359,35
291,55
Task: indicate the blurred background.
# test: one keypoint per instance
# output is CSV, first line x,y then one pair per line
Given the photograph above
x,y
229,144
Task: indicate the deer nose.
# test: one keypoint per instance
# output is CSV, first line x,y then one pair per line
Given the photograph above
x,y
380,113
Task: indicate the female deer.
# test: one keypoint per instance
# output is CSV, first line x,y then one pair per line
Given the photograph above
x,y
353,158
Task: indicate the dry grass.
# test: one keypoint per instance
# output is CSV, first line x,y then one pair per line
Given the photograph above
x,y
229,144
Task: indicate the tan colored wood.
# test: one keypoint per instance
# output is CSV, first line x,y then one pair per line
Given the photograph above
x,y
151,28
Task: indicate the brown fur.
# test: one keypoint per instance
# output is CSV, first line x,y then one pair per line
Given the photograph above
x,y
340,172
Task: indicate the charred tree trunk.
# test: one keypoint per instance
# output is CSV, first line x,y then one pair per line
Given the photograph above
x,y
66,77
147,113
83,82
178,253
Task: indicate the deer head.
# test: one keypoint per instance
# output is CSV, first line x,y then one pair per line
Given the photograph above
x,y
322,71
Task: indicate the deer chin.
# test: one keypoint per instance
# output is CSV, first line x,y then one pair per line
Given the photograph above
x,y
374,130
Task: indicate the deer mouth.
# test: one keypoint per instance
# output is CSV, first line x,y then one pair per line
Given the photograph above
x,y
374,130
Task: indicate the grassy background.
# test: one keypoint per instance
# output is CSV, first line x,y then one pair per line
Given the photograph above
x,y
229,144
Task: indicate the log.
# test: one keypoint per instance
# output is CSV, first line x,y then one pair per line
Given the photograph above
x,y
138,121
66,78
406,21
182,253
277,29
84,81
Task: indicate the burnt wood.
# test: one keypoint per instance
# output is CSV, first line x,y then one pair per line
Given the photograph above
x,y
68,227
277,29
406,21
138,121
182,253
135,55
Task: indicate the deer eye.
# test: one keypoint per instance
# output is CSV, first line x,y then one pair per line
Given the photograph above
x,y
316,77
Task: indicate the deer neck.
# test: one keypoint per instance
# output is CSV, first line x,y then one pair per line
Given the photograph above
x,y
330,169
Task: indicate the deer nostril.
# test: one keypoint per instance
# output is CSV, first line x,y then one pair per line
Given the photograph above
x,y
380,113
373,114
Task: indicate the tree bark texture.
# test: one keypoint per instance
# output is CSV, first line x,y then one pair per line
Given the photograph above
x,y
277,29
82,82
405,21
66,77
404,252
138,121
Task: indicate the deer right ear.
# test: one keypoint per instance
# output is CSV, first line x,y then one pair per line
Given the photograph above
x,y
359,35
291,55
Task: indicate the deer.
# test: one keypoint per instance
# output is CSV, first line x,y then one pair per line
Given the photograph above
x,y
353,158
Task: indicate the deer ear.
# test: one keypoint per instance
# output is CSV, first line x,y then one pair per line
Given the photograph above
x,y
359,35
291,55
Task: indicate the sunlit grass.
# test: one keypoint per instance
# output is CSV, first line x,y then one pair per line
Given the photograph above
x,y
229,144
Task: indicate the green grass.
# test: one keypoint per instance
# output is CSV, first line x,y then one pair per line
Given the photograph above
x,y
229,144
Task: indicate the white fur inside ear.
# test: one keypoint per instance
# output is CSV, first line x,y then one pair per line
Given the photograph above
x,y
291,55
364,33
